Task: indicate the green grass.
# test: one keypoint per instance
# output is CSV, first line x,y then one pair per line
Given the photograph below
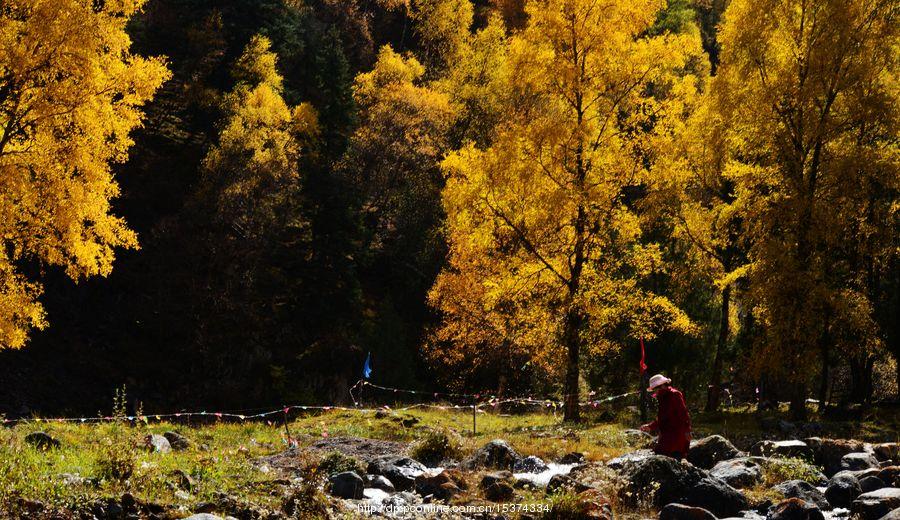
x,y
225,458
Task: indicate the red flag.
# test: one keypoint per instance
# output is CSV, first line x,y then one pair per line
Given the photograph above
x,y
643,358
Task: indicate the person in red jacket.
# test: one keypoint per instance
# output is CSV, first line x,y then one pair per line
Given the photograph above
x,y
672,421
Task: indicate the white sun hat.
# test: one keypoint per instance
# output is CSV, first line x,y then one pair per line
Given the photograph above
x,y
657,381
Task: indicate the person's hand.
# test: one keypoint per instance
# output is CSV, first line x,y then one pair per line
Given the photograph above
x,y
687,436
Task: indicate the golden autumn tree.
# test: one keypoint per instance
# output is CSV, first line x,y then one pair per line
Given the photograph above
x,y
541,214
70,94
810,91
253,169
701,200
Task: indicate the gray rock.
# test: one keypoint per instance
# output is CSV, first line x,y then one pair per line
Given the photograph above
x,y
804,491
564,482
828,452
499,492
842,490
177,441
716,496
530,464
443,486
497,454
791,448
739,473
876,504
887,451
401,471
573,457
42,441
871,483
380,482
859,461
204,516
621,461
683,512
347,485
795,509
498,476
157,443
662,480
893,515
709,451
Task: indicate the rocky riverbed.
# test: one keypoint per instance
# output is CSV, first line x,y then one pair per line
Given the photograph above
x,y
812,478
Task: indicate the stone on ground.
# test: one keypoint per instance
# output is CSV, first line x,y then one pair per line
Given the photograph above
x,y
709,451
401,471
743,472
497,454
530,464
875,504
804,491
565,483
177,441
859,461
621,461
887,451
683,512
443,486
829,452
870,483
380,482
795,509
42,440
842,489
893,515
347,485
663,480
790,448
157,443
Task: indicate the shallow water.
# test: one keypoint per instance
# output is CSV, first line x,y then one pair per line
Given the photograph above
x,y
541,479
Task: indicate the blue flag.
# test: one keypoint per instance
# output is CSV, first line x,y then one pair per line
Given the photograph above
x,y
367,368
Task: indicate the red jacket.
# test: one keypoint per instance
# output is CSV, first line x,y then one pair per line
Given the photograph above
x,y
672,422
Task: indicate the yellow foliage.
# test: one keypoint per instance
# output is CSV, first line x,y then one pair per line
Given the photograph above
x,y
70,94
537,218
809,93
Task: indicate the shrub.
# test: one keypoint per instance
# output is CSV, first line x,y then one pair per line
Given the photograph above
x,y
337,462
776,471
437,446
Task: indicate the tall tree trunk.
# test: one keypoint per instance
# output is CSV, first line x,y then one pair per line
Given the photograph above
x,y
572,340
714,394
798,402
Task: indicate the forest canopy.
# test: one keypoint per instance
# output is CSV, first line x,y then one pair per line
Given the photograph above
x,y
239,202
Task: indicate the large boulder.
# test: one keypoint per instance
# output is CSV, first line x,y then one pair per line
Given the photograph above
x,y
177,441
829,452
42,441
788,449
893,515
709,451
795,509
842,489
560,483
890,476
664,480
380,482
347,485
530,464
621,461
870,483
804,491
683,512
875,504
740,473
443,486
497,454
401,471
157,443
887,451
859,461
